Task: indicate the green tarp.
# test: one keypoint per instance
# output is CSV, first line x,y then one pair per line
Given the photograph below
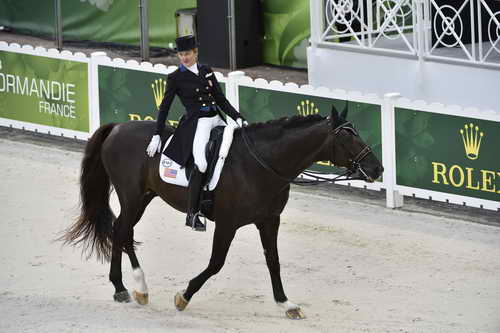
x,y
286,23
96,20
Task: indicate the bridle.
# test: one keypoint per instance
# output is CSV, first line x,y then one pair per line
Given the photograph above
x,y
354,167
355,163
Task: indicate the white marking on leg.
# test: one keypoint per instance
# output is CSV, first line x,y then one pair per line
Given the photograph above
x,y
288,305
140,280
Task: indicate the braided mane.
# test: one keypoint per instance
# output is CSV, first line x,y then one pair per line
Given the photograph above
x,y
277,125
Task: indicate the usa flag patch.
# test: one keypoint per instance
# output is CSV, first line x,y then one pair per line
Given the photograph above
x,y
170,173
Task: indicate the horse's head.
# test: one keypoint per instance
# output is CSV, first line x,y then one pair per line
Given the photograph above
x,y
350,151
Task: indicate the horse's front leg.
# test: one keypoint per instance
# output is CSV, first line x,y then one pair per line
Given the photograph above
x,y
268,230
223,236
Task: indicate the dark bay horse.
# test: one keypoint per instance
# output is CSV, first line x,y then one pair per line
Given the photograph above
x,y
248,192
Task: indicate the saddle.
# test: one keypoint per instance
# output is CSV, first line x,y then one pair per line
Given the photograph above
x,y
212,148
211,154
216,151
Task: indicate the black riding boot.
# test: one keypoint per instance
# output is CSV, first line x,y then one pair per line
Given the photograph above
x,y
194,189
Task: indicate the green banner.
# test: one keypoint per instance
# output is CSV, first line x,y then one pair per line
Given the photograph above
x,y
126,94
448,154
259,105
44,91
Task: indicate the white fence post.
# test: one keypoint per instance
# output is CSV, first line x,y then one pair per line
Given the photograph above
x,y
316,16
232,94
95,116
420,26
393,198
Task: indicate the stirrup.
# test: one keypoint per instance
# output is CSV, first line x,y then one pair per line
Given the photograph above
x,y
195,223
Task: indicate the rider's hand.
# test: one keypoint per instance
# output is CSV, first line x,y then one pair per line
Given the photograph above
x,y
154,146
240,121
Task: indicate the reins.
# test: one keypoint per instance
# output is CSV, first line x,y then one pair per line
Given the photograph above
x,y
316,175
258,159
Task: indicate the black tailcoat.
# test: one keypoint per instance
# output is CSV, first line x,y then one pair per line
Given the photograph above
x,y
195,92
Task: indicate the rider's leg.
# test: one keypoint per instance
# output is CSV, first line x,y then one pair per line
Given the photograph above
x,y
201,138
194,190
195,182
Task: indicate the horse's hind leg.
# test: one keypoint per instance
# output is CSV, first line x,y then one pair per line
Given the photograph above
x,y
120,235
141,292
220,247
123,240
268,230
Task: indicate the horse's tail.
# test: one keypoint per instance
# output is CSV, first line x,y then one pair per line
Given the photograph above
x,y
93,228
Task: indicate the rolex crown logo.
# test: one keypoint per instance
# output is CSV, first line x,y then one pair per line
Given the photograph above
x,y
306,108
158,90
471,137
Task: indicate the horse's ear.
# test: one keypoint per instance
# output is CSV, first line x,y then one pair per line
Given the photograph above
x,y
344,113
334,115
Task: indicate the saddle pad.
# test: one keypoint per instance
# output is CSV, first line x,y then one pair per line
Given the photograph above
x,y
173,173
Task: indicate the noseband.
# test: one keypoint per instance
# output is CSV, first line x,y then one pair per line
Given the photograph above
x,y
355,163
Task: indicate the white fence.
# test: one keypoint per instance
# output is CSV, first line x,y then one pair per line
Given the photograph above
x,y
388,104
468,31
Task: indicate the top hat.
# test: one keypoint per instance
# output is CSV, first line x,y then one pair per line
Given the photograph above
x,y
185,43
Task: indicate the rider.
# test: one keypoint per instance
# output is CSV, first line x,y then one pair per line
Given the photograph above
x,y
202,97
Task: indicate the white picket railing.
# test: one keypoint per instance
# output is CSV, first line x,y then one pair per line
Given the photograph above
x,y
388,103
425,29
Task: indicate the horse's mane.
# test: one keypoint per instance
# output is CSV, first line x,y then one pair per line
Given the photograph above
x,y
276,125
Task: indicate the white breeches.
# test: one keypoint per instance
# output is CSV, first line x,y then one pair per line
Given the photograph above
x,y
201,137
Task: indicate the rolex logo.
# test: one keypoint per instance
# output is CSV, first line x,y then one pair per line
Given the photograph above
x,y
158,90
471,137
306,108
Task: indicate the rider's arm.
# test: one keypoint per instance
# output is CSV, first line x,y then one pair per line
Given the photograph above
x,y
165,104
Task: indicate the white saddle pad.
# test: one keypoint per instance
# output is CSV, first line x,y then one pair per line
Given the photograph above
x,y
172,173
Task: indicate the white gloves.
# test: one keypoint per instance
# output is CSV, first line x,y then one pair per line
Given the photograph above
x,y
154,146
241,122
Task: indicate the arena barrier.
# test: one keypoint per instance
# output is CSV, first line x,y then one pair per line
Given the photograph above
x,y
431,151
45,90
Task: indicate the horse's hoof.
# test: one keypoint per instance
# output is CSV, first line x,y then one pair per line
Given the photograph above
x,y
140,298
180,301
122,297
295,314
